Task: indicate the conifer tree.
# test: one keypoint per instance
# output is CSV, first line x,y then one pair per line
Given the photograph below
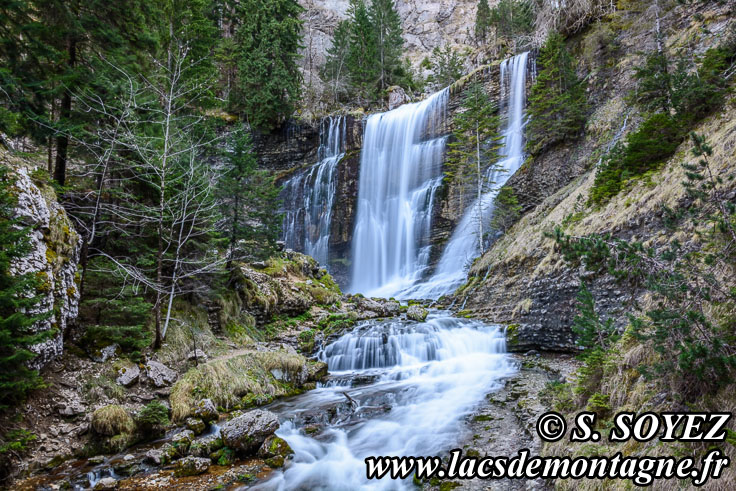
x,y
473,153
362,54
482,21
248,199
389,43
268,39
18,297
446,65
557,104
335,69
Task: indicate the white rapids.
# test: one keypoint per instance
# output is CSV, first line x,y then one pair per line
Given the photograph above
x,y
422,380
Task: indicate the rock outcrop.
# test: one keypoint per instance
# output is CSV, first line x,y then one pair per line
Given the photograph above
x,y
247,433
54,253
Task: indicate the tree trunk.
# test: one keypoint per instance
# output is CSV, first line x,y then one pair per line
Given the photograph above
x,y
480,189
62,141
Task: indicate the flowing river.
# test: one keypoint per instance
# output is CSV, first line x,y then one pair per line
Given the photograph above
x,y
396,388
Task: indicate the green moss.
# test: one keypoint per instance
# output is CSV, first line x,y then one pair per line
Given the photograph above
x,y
483,417
512,334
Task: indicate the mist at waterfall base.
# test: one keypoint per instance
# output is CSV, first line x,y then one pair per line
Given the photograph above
x,y
424,378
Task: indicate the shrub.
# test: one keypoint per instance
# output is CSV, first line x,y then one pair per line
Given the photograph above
x,y
112,420
152,419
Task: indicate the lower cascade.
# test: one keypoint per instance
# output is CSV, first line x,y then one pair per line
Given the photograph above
x,y
397,388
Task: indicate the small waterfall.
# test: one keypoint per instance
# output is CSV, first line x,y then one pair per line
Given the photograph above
x,y
462,248
309,195
400,171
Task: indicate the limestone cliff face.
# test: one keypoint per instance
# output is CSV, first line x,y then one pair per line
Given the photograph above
x,y
522,280
53,258
426,25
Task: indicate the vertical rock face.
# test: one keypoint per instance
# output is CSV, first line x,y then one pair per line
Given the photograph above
x,y
53,258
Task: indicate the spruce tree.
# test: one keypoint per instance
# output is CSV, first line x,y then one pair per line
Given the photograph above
x,y
335,69
446,65
473,153
363,60
557,104
249,201
268,39
482,21
389,43
18,297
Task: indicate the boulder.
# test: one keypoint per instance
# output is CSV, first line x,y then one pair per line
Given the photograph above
x,y
417,313
159,374
191,466
73,408
396,97
206,411
247,433
128,375
275,451
154,456
205,446
106,483
198,355
317,370
196,425
183,438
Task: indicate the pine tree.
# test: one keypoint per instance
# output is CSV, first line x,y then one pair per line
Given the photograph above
x,y
512,20
17,299
363,58
268,39
506,209
482,21
389,43
335,69
557,104
474,152
249,201
446,65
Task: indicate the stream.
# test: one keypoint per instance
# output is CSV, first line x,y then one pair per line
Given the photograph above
x,y
396,387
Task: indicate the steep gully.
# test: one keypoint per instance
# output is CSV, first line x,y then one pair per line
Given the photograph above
x,y
396,387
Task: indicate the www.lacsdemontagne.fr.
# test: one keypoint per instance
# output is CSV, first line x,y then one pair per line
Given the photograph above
x,y
641,470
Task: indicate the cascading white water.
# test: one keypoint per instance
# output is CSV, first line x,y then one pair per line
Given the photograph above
x,y
309,195
425,379
400,171
463,245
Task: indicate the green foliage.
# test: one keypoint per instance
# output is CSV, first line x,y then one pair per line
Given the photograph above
x,y
651,144
15,441
446,65
18,296
590,330
599,403
248,199
366,53
152,419
685,324
513,22
389,44
557,103
473,151
482,21
267,42
335,70
506,210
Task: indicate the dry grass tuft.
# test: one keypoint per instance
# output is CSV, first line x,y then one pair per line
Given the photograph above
x,y
112,420
227,380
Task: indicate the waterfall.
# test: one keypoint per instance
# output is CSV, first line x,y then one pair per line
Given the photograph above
x,y
462,248
309,196
400,171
